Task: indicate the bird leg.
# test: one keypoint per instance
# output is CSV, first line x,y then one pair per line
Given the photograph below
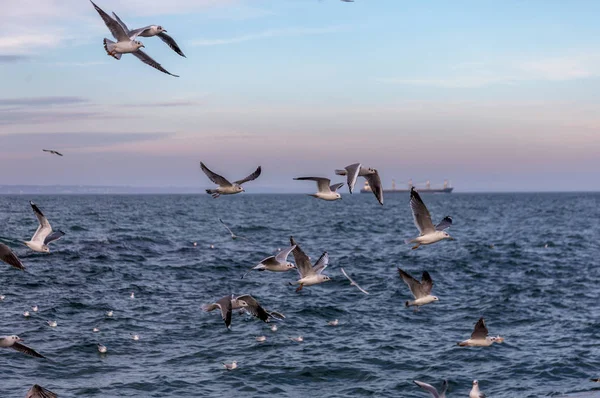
x,y
416,246
299,288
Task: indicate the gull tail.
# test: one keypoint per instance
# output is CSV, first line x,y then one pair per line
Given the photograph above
x,y
340,172
110,47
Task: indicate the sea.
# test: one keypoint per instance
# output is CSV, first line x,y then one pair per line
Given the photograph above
x,y
528,263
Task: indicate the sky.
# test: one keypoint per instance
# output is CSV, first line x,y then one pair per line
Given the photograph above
x,y
491,95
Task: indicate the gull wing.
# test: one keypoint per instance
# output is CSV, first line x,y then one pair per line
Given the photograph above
x,y
145,58
26,350
303,264
335,187
133,34
123,25
445,223
282,256
226,227
421,215
352,283
254,307
40,392
321,263
428,387
480,331
7,255
53,236
115,28
44,229
376,187
214,177
414,285
322,183
352,174
251,177
224,305
426,283
171,43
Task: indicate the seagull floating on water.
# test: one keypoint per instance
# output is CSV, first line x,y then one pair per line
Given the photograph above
x,y
10,258
35,308
132,296
52,151
324,190
2,297
261,339
43,235
52,324
352,283
274,328
277,263
26,314
475,393
225,187
14,342
102,348
40,392
432,390
429,233
421,290
298,339
335,322
95,330
230,366
479,337
109,313
309,275
135,336
371,175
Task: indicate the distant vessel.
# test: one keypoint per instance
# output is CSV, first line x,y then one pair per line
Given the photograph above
x,y
427,189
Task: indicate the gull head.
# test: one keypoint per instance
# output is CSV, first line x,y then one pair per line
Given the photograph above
x,y
242,303
16,338
45,249
138,44
435,298
290,265
475,383
338,196
160,29
239,188
497,339
325,278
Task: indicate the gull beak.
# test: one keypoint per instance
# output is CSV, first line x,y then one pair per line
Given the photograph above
x,y
164,30
143,46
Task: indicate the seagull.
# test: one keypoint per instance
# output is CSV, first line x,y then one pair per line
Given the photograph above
x,y
298,339
246,302
26,314
352,283
230,366
2,297
149,31
223,304
52,324
9,257
225,187
132,295
109,313
421,290
475,393
277,263
35,308
429,233
261,339
335,322
432,390
15,343
135,337
233,236
52,152
371,175
309,275
273,328
102,348
325,191
40,392
479,337
124,44
95,330
43,235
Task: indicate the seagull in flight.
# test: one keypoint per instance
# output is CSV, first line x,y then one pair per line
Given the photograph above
x,y
371,175
14,342
428,232
124,44
421,290
10,258
277,263
309,275
52,151
325,191
432,390
245,302
352,283
40,392
233,236
44,235
149,31
479,337
225,187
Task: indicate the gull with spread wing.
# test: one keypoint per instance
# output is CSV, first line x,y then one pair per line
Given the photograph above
x,y
421,290
149,31
245,302
352,283
276,263
225,187
124,44
44,235
432,390
233,236
309,275
479,337
52,151
371,175
325,191
428,232
14,342
40,392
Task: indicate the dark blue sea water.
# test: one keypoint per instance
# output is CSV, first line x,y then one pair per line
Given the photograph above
x,y
542,299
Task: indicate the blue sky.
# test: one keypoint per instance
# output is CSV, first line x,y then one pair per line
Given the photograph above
x,y
495,96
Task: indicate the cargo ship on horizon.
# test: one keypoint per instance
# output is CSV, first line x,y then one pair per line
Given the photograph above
x,y
427,189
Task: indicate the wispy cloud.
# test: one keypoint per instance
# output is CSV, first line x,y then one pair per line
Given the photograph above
x,y
12,58
42,101
79,140
269,34
165,104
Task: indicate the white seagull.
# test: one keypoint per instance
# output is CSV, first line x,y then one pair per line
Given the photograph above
x,y
261,339
428,232
371,175
230,366
309,275
40,392
325,191
298,339
149,31
475,393
52,324
102,348
479,337
421,290
10,258
277,263
124,44
43,235
245,302
14,342
352,283
225,187
233,236
35,308
432,390
335,322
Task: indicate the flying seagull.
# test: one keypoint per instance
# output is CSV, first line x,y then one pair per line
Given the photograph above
x,y
325,191
225,187
432,390
428,232
44,235
149,31
479,337
233,236
309,275
52,152
40,392
277,263
9,257
246,302
371,175
475,393
14,342
421,290
124,44
352,283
